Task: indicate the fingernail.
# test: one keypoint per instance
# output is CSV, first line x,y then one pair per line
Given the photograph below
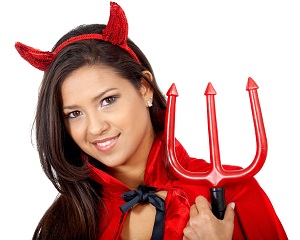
x,y
232,205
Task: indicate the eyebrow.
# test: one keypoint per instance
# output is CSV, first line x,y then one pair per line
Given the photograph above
x,y
100,95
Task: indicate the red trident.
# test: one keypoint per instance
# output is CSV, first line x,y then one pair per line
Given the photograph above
x,y
217,176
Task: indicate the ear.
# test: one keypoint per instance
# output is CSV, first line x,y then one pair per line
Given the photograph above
x,y
146,90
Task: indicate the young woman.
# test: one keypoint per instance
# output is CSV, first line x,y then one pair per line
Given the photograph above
x,y
100,138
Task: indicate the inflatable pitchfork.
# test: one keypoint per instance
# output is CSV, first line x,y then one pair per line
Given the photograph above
x,y
216,177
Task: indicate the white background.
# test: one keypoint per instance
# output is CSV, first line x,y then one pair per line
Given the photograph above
x,y
189,43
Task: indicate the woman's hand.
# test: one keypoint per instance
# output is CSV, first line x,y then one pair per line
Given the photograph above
x,y
204,225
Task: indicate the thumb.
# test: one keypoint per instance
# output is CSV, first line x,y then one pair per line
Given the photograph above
x,y
229,213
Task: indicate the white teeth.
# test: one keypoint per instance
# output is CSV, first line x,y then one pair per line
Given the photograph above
x,y
104,144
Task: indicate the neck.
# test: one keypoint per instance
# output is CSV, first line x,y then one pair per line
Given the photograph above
x,y
130,177
132,172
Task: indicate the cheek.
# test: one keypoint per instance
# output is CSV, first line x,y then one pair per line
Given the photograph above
x,y
135,115
140,120
76,133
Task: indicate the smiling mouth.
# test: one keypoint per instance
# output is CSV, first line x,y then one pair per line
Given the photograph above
x,y
106,145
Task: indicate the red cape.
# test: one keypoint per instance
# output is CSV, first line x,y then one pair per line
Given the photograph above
x,y
255,217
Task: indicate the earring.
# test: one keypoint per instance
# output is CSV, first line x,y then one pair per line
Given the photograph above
x,y
149,103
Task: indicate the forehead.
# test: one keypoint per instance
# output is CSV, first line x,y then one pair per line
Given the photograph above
x,y
89,76
90,80
91,72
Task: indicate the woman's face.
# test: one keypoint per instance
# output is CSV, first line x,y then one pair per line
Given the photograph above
x,y
107,117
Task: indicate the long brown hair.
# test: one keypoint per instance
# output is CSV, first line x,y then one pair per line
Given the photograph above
x,y
78,212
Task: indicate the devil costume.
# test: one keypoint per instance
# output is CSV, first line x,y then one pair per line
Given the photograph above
x,y
255,217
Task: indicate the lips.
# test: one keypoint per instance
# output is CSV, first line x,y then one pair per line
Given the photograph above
x,y
106,144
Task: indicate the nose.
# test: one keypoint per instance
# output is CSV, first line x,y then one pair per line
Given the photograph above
x,y
96,124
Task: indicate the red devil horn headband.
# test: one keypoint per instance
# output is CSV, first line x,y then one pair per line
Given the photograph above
x,y
116,32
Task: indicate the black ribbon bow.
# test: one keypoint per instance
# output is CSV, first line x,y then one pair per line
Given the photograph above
x,y
147,194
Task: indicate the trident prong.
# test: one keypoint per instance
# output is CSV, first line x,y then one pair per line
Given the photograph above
x,y
217,176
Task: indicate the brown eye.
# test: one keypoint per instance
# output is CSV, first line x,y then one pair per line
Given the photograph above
x,y
108,101
74,114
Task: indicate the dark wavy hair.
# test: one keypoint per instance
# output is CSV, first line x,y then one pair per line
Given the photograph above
x,y
78,211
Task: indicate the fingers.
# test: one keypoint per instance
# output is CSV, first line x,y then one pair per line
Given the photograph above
x,y
193,211
189,233
202,205
229,213
204,225
228,220
201,200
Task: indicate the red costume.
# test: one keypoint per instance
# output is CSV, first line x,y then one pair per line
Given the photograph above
x,y
255,217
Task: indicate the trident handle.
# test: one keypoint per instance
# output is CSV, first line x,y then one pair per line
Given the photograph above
x,y
216,176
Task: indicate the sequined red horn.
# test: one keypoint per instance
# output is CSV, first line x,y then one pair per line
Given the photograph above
x,y
35,57
116,32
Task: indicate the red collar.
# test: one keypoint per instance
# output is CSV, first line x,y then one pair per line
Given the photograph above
x,y
155,173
